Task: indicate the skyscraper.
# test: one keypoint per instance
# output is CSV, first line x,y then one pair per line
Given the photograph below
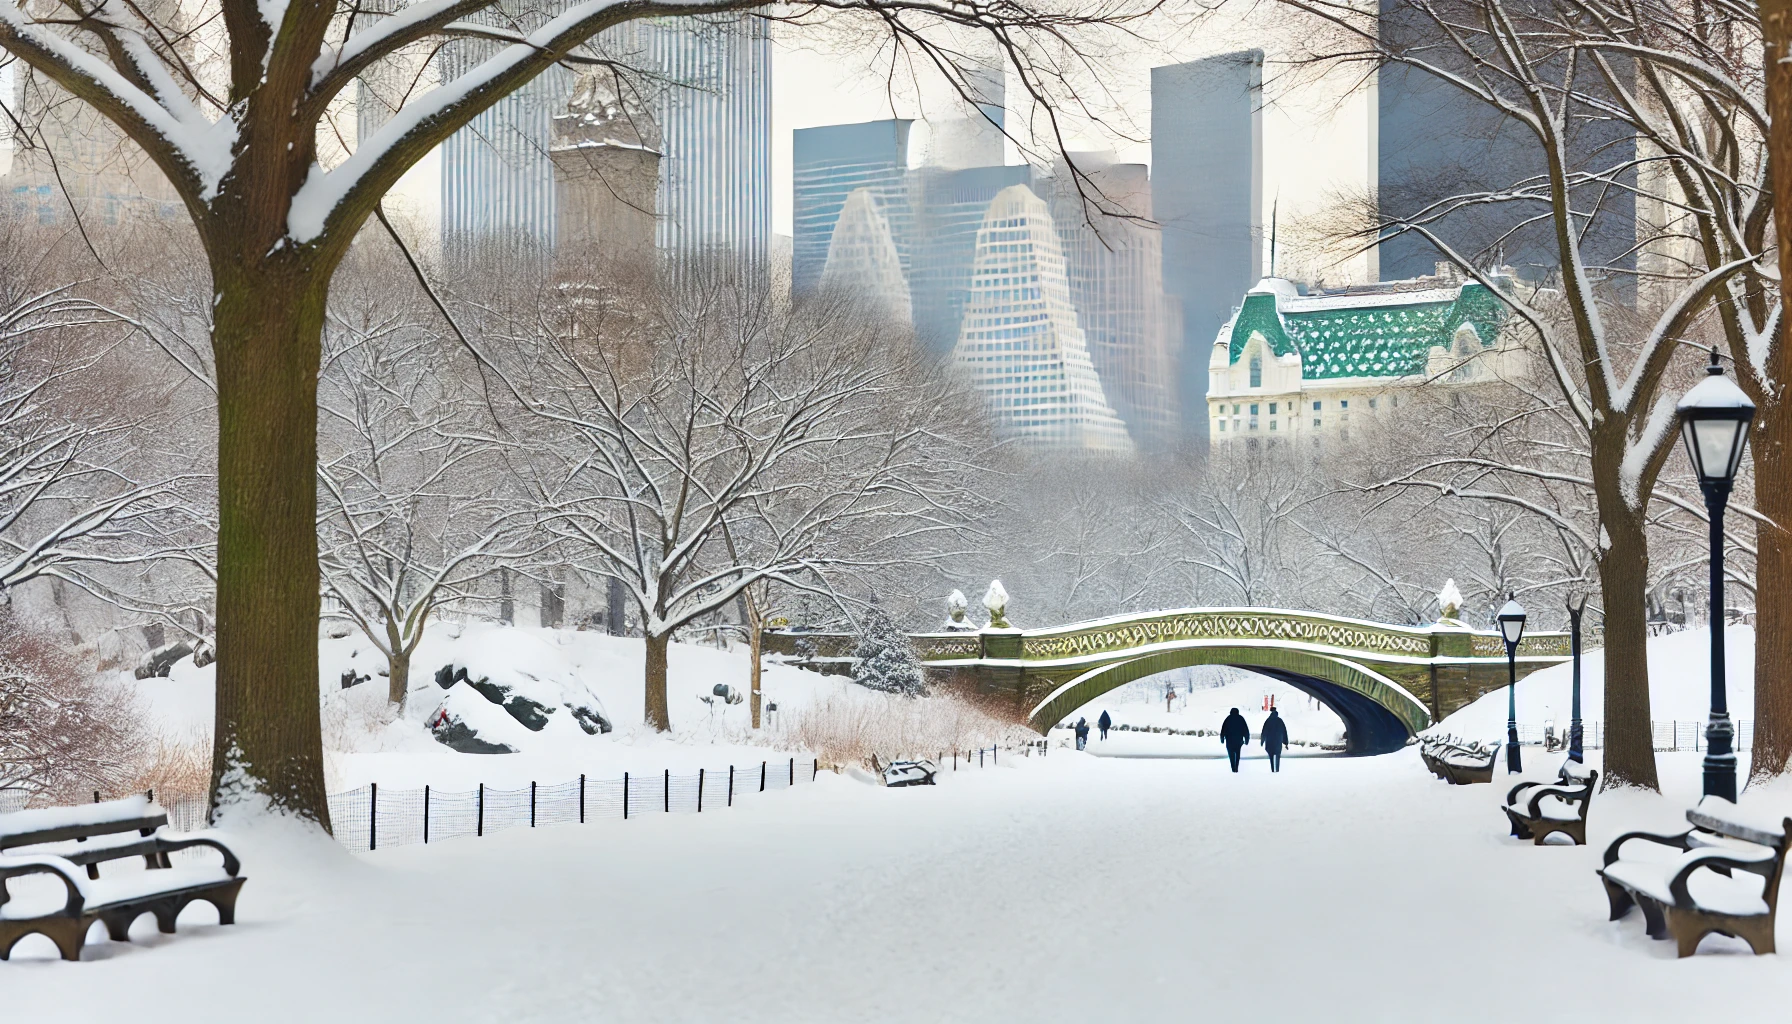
x,y
1114,259
497,175
862,258
1434,141
711,79
1020,342
948,209
828,164
1207,171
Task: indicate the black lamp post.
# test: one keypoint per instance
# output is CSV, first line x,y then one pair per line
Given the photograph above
x,y
1511,618
1714,419
1576,605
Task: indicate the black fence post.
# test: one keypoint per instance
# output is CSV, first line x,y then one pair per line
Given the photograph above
x,y
955,759
96,796
793,771
762,776
699,791
479,823
731,785
666,791
979,757
426,814
373,815
581,798
815,773
531,803
624,796
994,754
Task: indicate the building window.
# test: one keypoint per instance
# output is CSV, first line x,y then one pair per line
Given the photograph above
x,y
1272,408
1253,408
1343,403
1222,426
1315,420
1256,371
1372,404
1396,401
1272,424
1315,408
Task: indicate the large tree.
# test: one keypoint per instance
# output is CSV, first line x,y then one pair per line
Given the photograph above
x,y
232,100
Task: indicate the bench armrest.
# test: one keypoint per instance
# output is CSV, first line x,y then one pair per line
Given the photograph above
x,y
1567,794
1714,857
1676,841
169,842
44,864
1521,787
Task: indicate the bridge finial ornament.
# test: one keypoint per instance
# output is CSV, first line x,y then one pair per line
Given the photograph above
x,y
995,600
1449,601
955,609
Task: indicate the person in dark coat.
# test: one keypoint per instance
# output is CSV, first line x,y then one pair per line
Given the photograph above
x,y
1082,732
1275,737
1105,723
1234,733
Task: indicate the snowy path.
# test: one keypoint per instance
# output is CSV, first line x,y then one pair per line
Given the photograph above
x,y
1069,888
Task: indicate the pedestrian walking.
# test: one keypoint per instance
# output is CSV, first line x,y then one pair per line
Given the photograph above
x,y
1234,733
1275,737
1104,722
1082,733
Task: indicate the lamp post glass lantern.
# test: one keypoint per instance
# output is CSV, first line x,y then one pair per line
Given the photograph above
x,y
1714,421
1511,619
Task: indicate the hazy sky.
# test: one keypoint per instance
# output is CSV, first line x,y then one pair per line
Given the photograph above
x,y
1317,134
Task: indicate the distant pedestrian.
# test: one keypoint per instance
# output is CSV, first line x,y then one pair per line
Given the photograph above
x,y
1275,737
1105,723
1082,733
1234,733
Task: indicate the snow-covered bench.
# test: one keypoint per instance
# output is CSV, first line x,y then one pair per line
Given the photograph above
x,y
1458,762
1733,862
1538,809
70,843
907,773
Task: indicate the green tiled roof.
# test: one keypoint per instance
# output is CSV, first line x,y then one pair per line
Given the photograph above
x,y
1360,340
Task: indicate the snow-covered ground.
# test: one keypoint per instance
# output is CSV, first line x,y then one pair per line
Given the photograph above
x,y
1065,888
557,669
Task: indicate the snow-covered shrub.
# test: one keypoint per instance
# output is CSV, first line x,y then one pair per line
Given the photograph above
x,y
848,728
885,660
63,732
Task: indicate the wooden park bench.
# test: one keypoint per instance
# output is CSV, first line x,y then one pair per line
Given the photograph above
x,y
1725,856
1458,762
1539,809
70,843
905,773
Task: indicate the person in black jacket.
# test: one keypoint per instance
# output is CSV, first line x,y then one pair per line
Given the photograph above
x,y
1275,737
1082,732
1234,733
1105,723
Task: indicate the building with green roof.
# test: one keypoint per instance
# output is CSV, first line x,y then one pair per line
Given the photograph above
x,y
1294,365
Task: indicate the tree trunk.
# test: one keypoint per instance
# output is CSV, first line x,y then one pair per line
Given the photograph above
x,y
1772,743
1771,748
399,681
1623,581
658,714
755,643
266,342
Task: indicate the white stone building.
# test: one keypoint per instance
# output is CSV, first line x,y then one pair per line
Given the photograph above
x,y
1293,365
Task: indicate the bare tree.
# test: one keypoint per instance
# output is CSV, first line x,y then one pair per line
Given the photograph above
x,y
1527,63
413,511
239,118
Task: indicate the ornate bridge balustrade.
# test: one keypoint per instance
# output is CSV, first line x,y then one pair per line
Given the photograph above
x,y
1386,682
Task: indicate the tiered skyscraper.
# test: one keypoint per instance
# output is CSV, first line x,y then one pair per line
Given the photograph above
x,y
1020,342
863,260
832,162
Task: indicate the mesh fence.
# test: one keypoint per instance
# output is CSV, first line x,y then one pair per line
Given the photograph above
x,y
372,817
1667,736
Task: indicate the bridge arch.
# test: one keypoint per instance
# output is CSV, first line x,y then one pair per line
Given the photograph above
x,y
1379,714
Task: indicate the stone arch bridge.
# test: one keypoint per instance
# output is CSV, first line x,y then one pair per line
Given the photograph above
x,y
1386,682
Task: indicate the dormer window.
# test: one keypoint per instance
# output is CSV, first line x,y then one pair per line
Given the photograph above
x,y
1256,370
